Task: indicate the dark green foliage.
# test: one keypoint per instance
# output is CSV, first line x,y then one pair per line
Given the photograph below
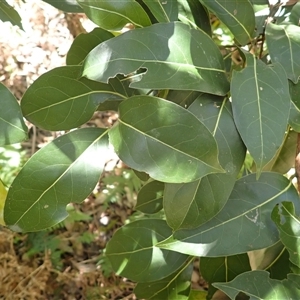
x,y
209,127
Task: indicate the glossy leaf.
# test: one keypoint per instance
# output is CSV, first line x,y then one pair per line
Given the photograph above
x,y
261,105
114,15
12,126
289,228
244,224
190,205
58,100
149,144
283,42
222,269
195,14
176,286
186,59
70,6
260,286
163,11
84,43
9,14
150,197
65,170
133,252
238,16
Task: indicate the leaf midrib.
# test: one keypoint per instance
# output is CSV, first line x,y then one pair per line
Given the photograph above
x,y
57,180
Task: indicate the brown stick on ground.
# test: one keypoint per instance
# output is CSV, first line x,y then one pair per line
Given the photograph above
x,y
297,162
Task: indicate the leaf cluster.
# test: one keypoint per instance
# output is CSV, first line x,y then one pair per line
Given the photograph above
x,y
193,113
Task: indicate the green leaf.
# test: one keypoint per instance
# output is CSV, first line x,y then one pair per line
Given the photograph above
x,y
280,267
176,286
197,295
58,100
186,59
285,158
294,118
114,15
9,14
163,11
222,269
12,126
195,14
238,16
149,144
295,14
263,259
289,229
70,6
84,43
190,205
65,170
261,105
283,42
260,286
182,98
134,255
244,224
150,197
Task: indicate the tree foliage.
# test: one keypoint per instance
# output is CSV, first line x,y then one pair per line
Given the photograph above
x,y
211,128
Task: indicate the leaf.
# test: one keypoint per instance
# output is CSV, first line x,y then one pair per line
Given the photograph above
x,y
289,229
176,286
238,16
182,98
3,195
261,105
114,15
150,197
244,224
186,59
190,205
9,14
262,259
284,159
70,6
260,286
133,253
12,126
58,100
65,170
163,11
295,14
294,118
280,267
195,14
149,144
197,295
84,43
222,269
283,42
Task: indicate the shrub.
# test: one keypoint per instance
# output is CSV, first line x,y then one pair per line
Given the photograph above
x,y
193,113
